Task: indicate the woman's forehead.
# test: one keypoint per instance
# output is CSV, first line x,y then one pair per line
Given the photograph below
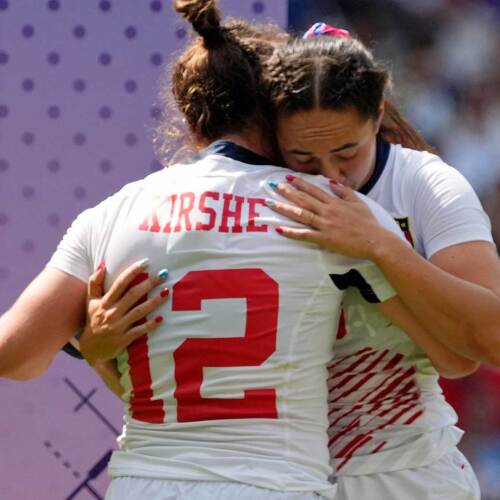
x,y
322,125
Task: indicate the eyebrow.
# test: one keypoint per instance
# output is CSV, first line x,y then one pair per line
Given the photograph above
x,y
341,148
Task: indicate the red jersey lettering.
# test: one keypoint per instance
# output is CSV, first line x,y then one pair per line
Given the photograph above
x,y
187,204
200,226
253,214
234,214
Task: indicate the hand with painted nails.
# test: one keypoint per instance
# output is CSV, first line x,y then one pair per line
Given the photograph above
x,y
342,223
117,318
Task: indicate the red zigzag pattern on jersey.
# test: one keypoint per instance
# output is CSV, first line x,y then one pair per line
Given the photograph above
x,y
348,375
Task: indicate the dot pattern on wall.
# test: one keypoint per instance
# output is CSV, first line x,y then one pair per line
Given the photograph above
x,y
77,109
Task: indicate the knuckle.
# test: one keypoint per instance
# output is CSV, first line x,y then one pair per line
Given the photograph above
x,y
139,331
98,316
140,311
110,316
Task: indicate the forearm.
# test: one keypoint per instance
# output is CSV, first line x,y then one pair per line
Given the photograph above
x,y
448,363
461,315
20,358
108,371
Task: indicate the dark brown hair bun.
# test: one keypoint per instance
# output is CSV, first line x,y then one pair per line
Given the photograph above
x,y
205,18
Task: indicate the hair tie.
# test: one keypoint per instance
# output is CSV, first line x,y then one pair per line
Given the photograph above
x,y
319,29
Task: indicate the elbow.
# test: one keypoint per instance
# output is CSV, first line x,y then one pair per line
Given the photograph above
x,y
486,341
462,369
24,372
20,376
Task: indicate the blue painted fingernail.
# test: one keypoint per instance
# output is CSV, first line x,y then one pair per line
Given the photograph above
x,y
273,185
163,274
270,203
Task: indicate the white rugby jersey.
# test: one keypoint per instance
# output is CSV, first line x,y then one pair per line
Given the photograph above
x,y
232,385
386,408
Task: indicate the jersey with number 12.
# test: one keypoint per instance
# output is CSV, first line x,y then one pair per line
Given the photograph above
x,y
232,386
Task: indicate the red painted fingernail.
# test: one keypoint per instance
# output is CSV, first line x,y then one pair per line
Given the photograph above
x,y
290,178
159,319
164,293
333,183
279,230
101,265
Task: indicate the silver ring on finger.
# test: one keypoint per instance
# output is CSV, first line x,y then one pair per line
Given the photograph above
x,y
311,216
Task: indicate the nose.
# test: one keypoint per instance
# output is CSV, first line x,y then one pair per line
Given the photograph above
x,y
332,171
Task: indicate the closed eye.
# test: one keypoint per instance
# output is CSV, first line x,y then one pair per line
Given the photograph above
x,y
347,157
304,161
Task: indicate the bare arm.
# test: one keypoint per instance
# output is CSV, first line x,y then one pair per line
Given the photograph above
x,y
41,321
108,371
456,294
447,363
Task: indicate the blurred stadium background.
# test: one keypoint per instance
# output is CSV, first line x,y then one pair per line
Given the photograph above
x,y
445,58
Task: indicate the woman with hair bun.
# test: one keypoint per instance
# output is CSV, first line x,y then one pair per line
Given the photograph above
x,y
227,398
391,433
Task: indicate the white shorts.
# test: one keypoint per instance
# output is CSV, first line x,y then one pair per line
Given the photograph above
x,y
450,478
137,488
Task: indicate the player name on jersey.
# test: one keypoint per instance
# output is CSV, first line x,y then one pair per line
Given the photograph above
x,y
206,211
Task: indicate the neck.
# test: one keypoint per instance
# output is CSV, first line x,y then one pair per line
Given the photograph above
x,y
252,139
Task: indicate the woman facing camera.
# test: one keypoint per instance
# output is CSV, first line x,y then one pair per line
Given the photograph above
x,y
392,435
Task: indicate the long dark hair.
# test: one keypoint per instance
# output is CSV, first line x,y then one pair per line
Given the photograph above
x,y
216,82
336,73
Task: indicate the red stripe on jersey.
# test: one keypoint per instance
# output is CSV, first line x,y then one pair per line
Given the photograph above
x,y
407,388
398,404
342,330
396,417
352,366
344,381
393,362
375,362
142,405
354,388
361,439
341,360
353,425
354,443
408,373
405,401
351,410
381,385
413,417
378,447
359,445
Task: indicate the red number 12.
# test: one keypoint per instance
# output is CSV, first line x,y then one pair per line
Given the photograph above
x,y
259,342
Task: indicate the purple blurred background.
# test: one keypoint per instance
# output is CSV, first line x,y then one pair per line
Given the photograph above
x,y
78,83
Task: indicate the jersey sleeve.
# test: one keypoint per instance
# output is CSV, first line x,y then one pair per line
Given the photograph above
x,y
368,279
446,209
73,254
363,274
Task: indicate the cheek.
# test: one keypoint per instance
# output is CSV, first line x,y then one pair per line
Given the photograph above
x,y
359,168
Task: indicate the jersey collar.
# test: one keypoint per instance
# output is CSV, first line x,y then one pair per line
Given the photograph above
x,y
234,152
239,153
383,150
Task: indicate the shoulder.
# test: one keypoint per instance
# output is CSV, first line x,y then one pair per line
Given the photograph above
x,y
424,167
421,176
129,193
